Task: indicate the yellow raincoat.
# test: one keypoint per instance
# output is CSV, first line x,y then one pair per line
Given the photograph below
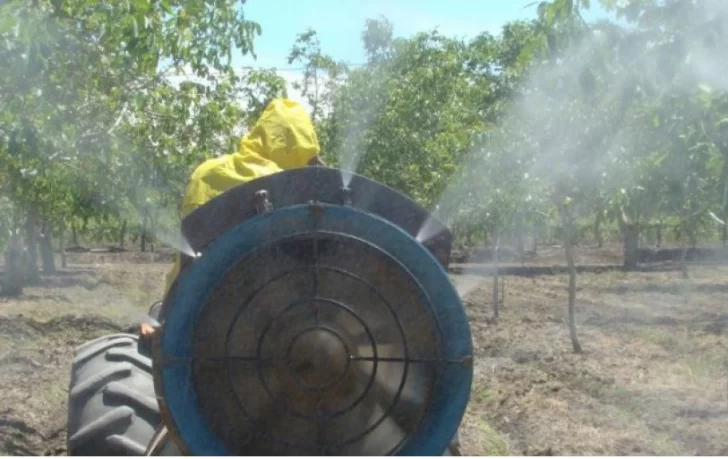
x,y
283,138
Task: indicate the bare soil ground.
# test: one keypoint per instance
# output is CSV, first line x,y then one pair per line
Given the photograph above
x,y
38,333
651,382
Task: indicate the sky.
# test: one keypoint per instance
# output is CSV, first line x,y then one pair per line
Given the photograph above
x,y
339,23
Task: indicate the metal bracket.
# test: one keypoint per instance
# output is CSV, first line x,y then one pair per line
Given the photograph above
x,y
345,196
262,203
316,209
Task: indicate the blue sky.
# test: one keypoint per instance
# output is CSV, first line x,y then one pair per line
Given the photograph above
x,y
339,22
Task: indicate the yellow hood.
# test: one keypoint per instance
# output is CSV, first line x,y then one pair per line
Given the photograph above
x,y
283,138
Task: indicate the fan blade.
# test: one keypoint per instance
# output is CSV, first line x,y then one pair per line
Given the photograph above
x,y
382,335
413,393
382,438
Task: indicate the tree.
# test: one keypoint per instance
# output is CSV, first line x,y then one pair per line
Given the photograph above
x,y
406,118
565,115
79,80
321,74
12,284
321,80
679,46
259,88
493,191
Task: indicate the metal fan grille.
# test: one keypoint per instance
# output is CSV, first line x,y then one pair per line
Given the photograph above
x,y
317,344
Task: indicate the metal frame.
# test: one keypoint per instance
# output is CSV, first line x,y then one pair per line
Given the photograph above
x,y
313,184
302,186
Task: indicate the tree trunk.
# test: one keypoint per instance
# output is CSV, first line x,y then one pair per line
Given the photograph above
x,y
687,229
502,292
153,232
31,267
684,261
122,234
13,275
62,245
144,231
496,296
568,225
598,236
660,225
693,239
724,206
46,249
684,248
631,236
74,234
520,244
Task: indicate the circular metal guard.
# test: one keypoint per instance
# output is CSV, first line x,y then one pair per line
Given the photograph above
x,y
315,330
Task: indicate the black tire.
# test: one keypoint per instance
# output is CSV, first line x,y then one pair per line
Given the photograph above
x,y
112,408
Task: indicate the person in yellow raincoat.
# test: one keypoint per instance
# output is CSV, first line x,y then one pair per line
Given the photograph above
x,y
283,138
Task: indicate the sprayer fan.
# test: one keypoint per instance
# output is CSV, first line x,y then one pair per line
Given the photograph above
x,y
315,342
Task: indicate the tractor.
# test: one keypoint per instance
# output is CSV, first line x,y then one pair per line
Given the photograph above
x,y
308,320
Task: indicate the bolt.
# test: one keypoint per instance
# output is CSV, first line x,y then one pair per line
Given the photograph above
x,y
316,210
467,361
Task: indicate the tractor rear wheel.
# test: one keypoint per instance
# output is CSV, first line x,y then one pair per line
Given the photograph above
x,y
112,408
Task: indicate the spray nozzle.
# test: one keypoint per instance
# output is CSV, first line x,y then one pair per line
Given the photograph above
x,y
262,203
149,320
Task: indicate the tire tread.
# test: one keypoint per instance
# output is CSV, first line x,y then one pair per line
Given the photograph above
x,y
112,407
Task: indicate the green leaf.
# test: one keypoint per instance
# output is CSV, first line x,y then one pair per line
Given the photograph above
x,y
166,7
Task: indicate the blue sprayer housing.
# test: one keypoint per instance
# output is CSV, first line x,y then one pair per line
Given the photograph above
x,y
453,360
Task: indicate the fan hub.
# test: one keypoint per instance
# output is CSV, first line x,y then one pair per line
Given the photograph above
x,y
318,358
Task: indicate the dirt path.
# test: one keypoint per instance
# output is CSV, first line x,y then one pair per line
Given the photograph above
x,y
34,369
652,380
